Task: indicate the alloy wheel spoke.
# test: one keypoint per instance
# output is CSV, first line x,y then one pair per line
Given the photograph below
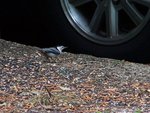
x,y
132,12
97,2
77,3
111,20
96,19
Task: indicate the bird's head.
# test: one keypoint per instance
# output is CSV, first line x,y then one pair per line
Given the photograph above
x,y
61,48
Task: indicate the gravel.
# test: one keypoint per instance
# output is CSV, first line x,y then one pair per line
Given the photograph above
x,y
26,73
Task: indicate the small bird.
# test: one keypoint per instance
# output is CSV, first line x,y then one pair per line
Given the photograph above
x,y
53,51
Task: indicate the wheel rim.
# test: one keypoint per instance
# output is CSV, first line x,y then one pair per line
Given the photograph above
x,y
107,22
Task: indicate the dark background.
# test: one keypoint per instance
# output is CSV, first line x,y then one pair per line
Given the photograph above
x,y
28,22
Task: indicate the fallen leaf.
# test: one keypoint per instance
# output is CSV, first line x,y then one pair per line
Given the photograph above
x,y
65,88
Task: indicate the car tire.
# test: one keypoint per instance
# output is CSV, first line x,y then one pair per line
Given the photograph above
x,y
135,49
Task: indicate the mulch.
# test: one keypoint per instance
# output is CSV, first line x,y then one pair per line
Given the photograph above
x,y
34,83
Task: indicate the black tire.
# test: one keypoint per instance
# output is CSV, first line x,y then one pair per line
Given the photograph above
x,y
136,49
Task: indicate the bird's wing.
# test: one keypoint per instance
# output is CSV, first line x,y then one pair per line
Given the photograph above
x,y
51,51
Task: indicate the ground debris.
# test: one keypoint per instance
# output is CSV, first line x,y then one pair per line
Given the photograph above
x,y
33,83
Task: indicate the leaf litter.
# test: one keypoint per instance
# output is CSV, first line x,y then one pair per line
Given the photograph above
x,y
32,83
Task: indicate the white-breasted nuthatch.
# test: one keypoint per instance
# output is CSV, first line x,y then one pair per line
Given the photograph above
x,y
53,51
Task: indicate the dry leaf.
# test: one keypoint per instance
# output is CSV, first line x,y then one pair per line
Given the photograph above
x,y
65,88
